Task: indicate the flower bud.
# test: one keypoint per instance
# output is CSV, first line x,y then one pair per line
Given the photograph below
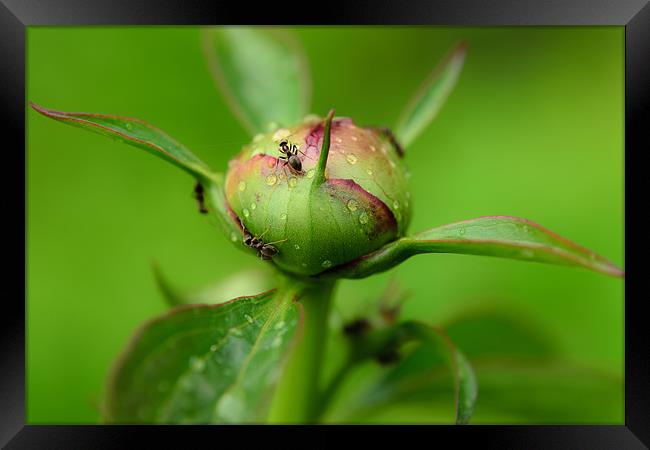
x,y
280,199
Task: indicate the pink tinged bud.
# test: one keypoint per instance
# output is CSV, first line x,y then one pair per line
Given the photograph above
x,y
362,204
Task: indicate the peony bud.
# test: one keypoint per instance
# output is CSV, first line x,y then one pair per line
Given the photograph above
x,y
316,223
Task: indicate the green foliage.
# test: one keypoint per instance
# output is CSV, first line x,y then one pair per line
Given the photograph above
x,y
505,237
135,132
262,73
430,98
205,364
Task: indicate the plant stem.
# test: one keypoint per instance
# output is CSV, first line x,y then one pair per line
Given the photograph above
x,y
296,396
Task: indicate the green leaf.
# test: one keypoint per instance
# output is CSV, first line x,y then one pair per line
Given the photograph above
x,y
134,132
239,284
205,363
428,100
429,363
262,73
465,386
502,236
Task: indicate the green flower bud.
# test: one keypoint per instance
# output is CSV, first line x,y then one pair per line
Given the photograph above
x,y
282,202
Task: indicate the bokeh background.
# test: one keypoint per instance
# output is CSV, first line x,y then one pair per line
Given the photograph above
x,y
533,129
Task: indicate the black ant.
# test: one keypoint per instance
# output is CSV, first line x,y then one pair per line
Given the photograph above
x,y
290,155
264,251
198,195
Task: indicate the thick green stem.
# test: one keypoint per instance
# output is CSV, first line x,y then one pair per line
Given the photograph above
x,y
296,397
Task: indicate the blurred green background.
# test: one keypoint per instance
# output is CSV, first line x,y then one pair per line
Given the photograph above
x,y
533,129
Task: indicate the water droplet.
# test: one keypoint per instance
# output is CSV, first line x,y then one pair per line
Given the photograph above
x,y
351,158
242,186
395,204
373,148
310,173
526,229
279,325
369,171
327,263
297,247
233,236
461,231
235,331
363,218
283,216
271,180
253,205
248,318
293,181
338,140
353,205
276,342
128,126
197,364
246,212
213,348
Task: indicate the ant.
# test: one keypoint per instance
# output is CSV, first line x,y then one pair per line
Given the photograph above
x,y
264,251
290,155
198,195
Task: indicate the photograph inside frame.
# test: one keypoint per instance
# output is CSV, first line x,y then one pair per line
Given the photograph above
x,y
270,279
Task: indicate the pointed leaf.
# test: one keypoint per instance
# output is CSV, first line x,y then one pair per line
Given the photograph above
x,y
205,363
134,132
430,98
238,284
423,369
502,236
262,73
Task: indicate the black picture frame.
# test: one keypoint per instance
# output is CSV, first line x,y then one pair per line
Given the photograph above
x,y
16,15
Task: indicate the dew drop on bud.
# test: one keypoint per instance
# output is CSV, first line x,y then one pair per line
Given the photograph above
x,y
461,231
248,318
363,218
242,186
283,216
310,173
353,205
293,181
369,171
247,213
327,263
351,158
271,180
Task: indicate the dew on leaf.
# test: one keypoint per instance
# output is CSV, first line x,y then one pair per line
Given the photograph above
x,y
248,318
213,348
246,212
253,205
369,171
327,263
242,186
233,236
283,216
